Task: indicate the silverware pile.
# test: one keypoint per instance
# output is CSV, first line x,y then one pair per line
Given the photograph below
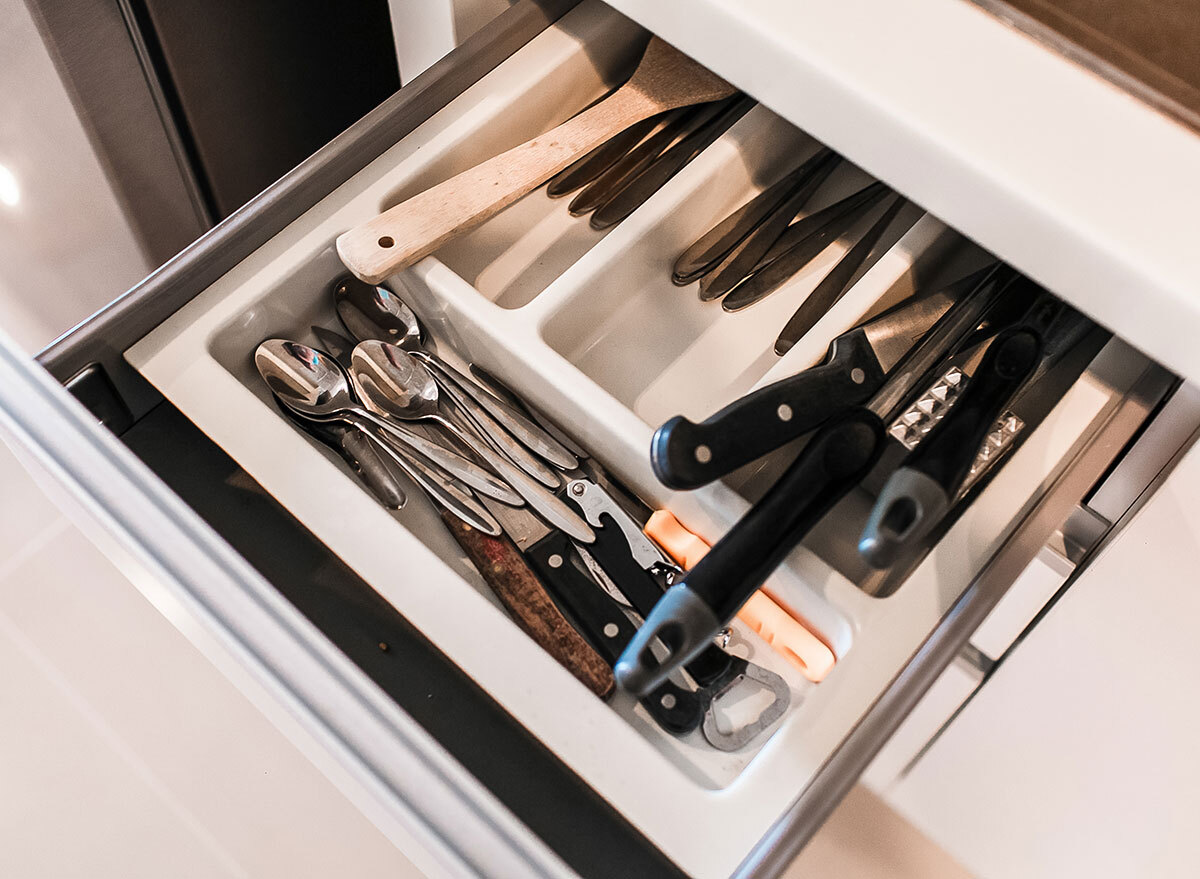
x,y
752,252
393,377
620,175
549,532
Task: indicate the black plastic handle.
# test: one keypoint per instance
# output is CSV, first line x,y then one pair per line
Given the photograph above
x,y
643,590
918,494
687,455
693,611
602,622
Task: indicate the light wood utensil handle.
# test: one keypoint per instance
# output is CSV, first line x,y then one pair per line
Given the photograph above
x,y
416,227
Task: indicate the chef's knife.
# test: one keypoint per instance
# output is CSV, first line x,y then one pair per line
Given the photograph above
x,y
687,455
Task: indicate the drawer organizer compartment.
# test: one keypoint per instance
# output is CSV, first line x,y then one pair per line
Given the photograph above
x,y
589,329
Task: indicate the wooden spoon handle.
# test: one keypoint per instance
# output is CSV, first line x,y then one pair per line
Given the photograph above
x,y
519,590
415,228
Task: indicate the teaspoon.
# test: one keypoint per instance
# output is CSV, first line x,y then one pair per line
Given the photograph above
x,y
371,312
393,382
312,383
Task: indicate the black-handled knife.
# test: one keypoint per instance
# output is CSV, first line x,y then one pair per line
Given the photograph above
x,y
687,455
553,558
694,610
918,494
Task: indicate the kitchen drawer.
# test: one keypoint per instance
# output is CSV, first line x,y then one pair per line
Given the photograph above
x,y
588,327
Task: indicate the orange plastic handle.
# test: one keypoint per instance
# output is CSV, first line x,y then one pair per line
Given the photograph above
x,y
787,635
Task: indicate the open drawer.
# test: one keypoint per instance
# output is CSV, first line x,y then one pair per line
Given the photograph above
x,y
588,327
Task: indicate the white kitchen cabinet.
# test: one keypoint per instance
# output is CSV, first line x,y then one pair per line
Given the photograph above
x,y
372,628
1077,758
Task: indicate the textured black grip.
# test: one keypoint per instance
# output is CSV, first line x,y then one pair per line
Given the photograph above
x,y
611,550
604,624
833,462
686,455
947,453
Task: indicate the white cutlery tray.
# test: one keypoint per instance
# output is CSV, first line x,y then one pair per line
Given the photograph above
x,y
590,329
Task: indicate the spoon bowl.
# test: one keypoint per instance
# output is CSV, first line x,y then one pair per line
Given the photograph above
x,y
371,312
306,380
390,381
394,382
375,313
312,383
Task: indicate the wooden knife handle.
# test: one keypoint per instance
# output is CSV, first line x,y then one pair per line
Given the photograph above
x,y
518,588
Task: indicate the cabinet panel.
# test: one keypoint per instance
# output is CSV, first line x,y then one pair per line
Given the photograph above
x,y
1078,757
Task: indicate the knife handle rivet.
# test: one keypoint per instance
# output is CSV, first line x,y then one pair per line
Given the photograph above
x,y
784,412
703,454
857,376
555,561
611,630
667,701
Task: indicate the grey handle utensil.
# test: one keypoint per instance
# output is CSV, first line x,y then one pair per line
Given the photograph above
x,y
835,284
746,255
710,123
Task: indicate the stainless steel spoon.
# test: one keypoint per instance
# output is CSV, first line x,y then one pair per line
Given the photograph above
x,y
371,312
392,381
312,383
